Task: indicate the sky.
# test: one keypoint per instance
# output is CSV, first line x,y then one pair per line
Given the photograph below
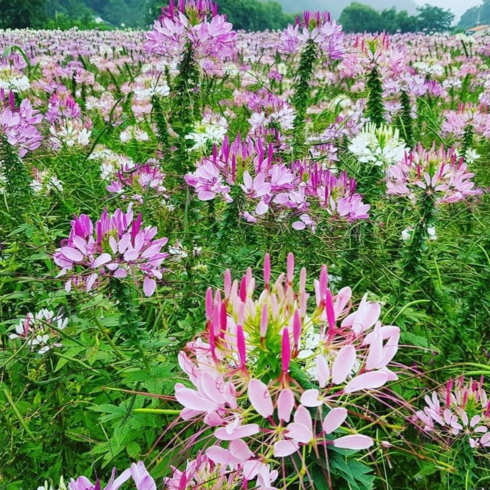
x,y
459,7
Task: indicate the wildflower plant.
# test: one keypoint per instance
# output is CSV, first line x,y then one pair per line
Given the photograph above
x,y
117,247
273,378
246,175
428,179
40,331
315,36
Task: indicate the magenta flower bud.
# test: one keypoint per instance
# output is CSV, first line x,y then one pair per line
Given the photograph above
x,y
267,271
264,321
296,329
240,341
302,280
286,351
209,304
330,312
223,319
216,318
227,283
323,284
290,269
243,289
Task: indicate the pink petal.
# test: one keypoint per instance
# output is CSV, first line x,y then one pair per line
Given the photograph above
x,y
299,432
72,254
260,398
101,260
191,399
240,450
303,416
90,282
356,442
344,363
239,433
209,387
322,371
149,286
284,448
285,405
375,356
334,419
310,398
120,274
367,381
219,455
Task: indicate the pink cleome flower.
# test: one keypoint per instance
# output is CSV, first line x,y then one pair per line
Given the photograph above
x,y
120,246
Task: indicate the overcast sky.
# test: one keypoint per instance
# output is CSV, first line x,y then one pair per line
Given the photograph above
x,y
459,7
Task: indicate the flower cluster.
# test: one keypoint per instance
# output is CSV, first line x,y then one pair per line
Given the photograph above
x,y
378,146
248,169
137,472
118,248
192,24
316,27
210,131
36,330
438,172
45,181
67,126
458,411
248,371
138,182
18,125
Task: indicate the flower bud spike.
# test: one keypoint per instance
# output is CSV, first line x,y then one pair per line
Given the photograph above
x,y
286,351
243,289
330,313
227,283
223,320
242,353
296,330
209,304
264,321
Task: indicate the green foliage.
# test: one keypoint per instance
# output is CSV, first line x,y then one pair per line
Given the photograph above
x,y
249,15
359,17
434,19
18,14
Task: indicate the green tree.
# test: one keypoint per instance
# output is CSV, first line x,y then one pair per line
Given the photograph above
x,y
249,15
434,19
406,22
18,14
476,15
358,17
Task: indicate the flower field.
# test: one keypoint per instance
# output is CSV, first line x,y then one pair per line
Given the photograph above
x,y
237,260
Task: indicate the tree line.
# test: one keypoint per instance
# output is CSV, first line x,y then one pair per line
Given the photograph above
x,y
250,15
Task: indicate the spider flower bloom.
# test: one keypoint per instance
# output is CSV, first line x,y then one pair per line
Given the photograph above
x,y
194,24
316,27
249,364
37,332
435,171
18,125
458,410
116,247
137,182
378,146
299,192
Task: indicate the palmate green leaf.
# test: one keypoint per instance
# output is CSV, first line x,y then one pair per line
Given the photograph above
x,y
356,475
